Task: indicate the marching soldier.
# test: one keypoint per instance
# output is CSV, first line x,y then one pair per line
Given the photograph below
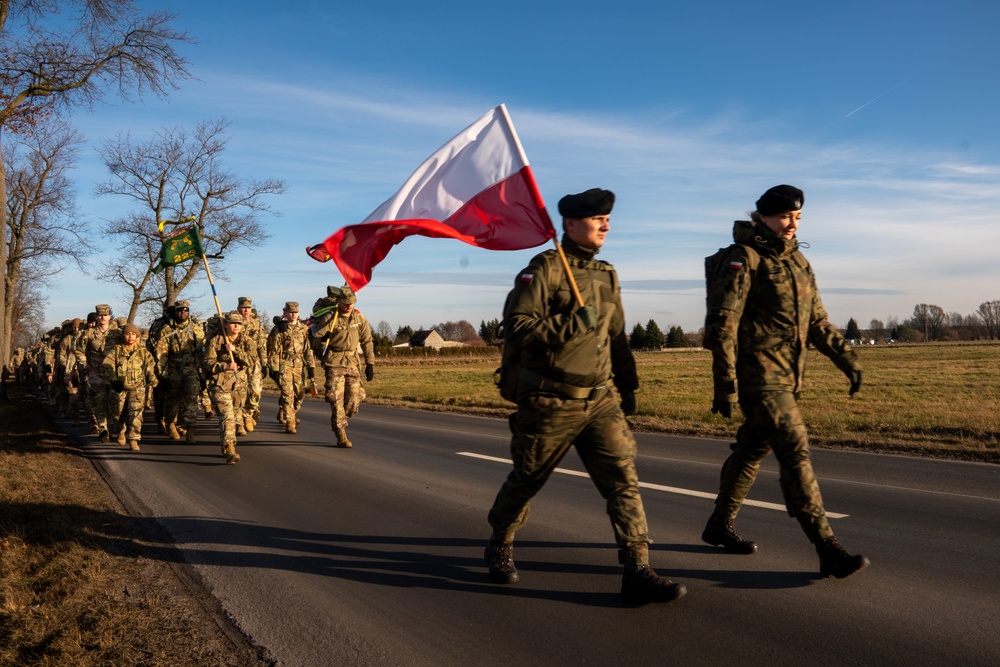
x,y
289,353
179,352
91,349
764,310
253,330
229,357
127,369
577,381
339,334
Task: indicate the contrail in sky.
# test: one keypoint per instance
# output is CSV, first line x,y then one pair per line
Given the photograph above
x,y
879,96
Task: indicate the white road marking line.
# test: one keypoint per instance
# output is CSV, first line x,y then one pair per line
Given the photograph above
x,y
658,487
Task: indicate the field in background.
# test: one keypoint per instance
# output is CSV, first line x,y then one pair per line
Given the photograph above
x,y
935,400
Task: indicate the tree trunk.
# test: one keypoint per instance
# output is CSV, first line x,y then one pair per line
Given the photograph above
x,y
4,327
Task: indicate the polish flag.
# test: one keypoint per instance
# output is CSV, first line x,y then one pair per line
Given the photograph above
x,y
477,188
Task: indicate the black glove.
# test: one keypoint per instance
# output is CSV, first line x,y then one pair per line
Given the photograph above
x,y
723,406
628,402
855,378
589,317
369,372
202,382
311,373
118,386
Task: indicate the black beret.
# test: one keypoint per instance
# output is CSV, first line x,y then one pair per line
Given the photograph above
x,y
587,204
779,199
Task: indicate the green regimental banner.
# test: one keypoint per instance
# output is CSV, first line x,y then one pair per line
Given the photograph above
x,y
180,246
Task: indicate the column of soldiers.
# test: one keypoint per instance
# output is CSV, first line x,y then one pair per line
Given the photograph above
x,y
110,371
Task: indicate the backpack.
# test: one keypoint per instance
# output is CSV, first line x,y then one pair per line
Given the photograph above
x,y
716,262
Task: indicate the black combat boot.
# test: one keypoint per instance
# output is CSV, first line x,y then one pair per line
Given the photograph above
x,y
500,559
640,584
834,561
721,532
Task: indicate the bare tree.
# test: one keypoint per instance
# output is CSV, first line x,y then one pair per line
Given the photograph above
x,y
989,314
42,227
49,60
876,329
929,320
384,329
173,176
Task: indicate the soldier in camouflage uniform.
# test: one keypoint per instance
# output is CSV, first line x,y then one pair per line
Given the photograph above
x,y
577,374
229,357
127,369
253,330
338,337
152,341
91,348
68,380
764,310
289,354
179,352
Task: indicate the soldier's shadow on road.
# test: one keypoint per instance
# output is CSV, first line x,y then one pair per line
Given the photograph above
x,y
442,563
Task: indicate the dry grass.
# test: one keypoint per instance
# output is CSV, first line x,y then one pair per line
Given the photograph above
x,y
79,582
933,400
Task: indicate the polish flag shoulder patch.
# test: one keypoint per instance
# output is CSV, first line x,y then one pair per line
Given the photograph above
x,y
735,264
525,278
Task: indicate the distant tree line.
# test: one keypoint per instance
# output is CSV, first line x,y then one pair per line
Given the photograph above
x,y
931,323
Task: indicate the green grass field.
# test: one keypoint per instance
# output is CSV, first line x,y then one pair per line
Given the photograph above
x,y
933,400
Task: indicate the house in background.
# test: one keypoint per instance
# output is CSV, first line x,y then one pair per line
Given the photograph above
x,y
431,338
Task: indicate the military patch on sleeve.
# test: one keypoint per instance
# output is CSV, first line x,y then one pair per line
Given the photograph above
x,y
525,278
735,264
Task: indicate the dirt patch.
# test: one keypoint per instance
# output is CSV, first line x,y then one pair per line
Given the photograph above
x,y
77,583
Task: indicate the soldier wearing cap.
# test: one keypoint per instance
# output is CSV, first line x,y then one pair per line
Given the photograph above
x,y
764,310
68,379
229,356
252,329
91,348
577,374
152,341
338,336
128,368
289,355
179,351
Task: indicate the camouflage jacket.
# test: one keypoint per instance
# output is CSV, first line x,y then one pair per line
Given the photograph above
x,y
180,348
760,321
539,317
290,347
93,344
253,329
136,368
217,356
338,347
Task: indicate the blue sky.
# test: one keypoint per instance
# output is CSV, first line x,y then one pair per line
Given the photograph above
x,y
884,113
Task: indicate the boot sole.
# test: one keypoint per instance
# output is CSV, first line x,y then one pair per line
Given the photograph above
x,y
827,574
715,542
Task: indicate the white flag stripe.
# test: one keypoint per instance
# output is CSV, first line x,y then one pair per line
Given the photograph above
x,y
482,155
658,487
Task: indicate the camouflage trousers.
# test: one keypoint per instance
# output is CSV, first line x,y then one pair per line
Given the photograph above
x,y
180,403
544,427
97,400
125,411
773,422
291,392
344,393
228,402
255,384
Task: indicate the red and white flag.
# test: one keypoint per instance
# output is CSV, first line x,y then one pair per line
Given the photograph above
x,y
477,188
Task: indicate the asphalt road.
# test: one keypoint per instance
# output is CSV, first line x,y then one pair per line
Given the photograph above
x,y
373,555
